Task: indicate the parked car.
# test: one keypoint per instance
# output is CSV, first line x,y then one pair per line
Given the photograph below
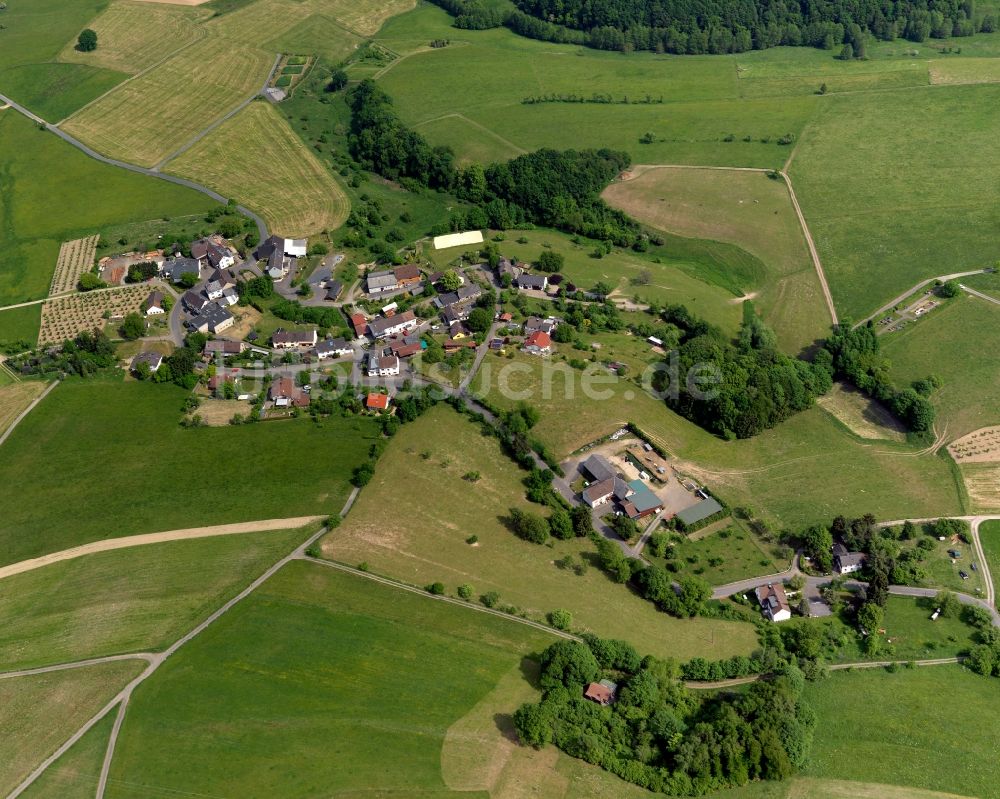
x,y
963,575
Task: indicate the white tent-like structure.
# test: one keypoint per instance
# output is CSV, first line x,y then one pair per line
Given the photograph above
x,y
458,239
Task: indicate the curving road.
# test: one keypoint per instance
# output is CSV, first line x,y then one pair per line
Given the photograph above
x,y
152,173
896,300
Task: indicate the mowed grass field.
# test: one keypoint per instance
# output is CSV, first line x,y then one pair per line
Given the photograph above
x,y
742,208
932,728
50,193
15,397
956,343
139,599
134,36
412,521
257,158
148,118
76,773
39,712
989,537
807,470
891,193
350,685
130,468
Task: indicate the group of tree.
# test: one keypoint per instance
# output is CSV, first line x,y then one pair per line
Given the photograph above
x,y
723,26
735,389
854,354
292,311
559,189
657,733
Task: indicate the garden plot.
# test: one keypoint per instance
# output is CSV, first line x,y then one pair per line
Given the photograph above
x,y
66,317
75,258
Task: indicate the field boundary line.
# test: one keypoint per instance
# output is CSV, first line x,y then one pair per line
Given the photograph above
x,y
131,78
222,120
705,685
811,245
127,542
474,124
23,414
76,664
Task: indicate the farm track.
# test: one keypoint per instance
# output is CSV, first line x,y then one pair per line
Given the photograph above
x,y
23,414
190,184
943,278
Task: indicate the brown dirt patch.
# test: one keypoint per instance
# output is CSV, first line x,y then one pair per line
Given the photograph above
x,y
246,320
979,446
217,413
15,398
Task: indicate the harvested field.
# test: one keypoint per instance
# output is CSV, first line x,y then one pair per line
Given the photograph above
x,y
176,2
135,36
261,20
966,70
146,119
217,413
258,159
65,317
14,398
320,35
75,258
862,415
980,446
982,482
364,17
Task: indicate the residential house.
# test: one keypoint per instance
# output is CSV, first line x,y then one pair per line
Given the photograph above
x,y
455,313
295,248
213,318
214,289
333,290
506,318
377,401
213,252
333,348
382,365
293,339
278,265
359,323
507,267
532,282
380,282
230,296
533,323
175,269
773,602
845,561
285,394
454,345
152,359
407,275
538,343
603,692
153,304
194,301
599,493
383,327
464,294
223,347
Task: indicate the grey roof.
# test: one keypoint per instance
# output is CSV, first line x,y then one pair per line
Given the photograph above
x,y
538,282
334,289
194,300
850,559
596,491
598,468
331,346
702,510
211,316
175,267
378,327
152,359
381,280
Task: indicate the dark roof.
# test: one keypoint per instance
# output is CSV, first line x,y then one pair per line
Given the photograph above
x,y
212,315
526,281
334,289
154,300
330,346
293,337
598,468
407,272
702,510
223,345
194,299
379,326
175,267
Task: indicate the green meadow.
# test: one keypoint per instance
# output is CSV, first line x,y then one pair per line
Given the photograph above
x,y
34,34
351,686
50,193
104,459
139,599
75,775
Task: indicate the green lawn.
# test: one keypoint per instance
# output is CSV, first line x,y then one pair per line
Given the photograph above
x,y
742,554
33,35
75,775
808,469
949,342
21,324
39,712
51,193
351,686
890,193
989,537
933,727
412,522
103,459
129,600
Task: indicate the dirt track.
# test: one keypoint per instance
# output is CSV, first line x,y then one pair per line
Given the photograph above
x,y
109,544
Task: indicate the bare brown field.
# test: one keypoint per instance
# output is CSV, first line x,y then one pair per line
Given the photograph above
x,y
982,482
75,258
742,208
861,415
217,412
135,36
14,398
65,317
147,118
257,158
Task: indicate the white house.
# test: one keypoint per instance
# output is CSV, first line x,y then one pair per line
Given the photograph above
x,y
773,602
296,248
383,366
392,325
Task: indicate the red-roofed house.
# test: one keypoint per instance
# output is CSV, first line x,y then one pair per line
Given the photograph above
x,y
359,323
538,343
377,401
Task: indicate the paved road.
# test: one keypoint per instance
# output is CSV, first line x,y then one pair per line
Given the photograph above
x,y
108,544
895,301
261,225
21,416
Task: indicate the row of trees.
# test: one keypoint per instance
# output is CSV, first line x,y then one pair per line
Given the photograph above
x,y
855,355
559,189
659,735
736,390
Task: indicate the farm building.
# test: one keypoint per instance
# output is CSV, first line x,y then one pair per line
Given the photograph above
x,y
597,469
641,502
701,511
223,347
407,275
381,282
333,290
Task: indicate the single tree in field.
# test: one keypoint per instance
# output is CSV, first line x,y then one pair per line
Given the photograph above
x,y
847,52
86,42
133,326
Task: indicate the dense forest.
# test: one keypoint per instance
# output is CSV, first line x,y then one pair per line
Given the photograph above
x,y
657,733
735,390
559,189
723,26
